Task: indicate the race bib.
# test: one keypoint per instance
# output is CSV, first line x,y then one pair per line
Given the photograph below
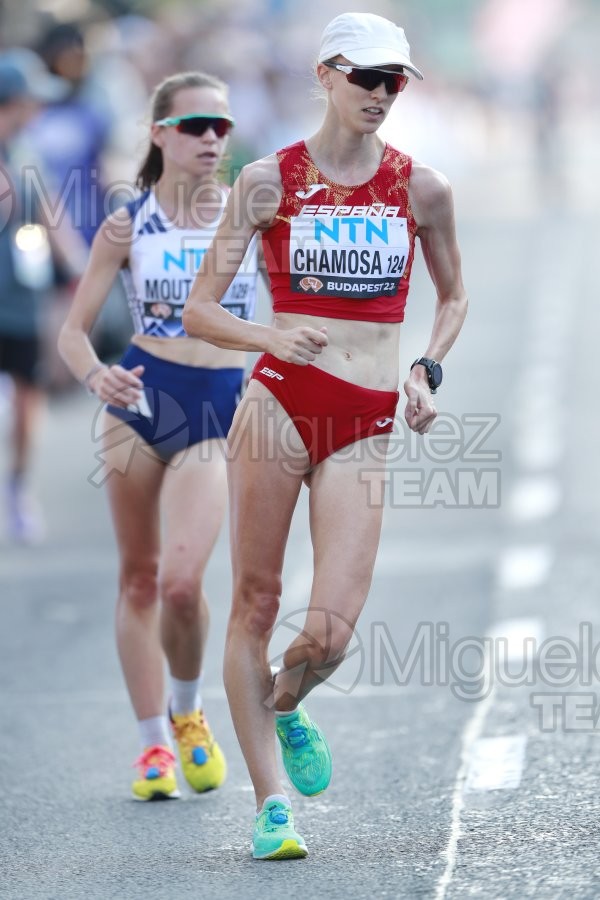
x,y
359,257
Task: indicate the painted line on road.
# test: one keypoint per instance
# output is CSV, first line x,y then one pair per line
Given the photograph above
x,y
534,498
496,763
538,442
479,758
524,566
470,736
540,449
521,636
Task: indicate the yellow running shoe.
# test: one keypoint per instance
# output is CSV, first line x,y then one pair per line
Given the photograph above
x,y
157,775
201,758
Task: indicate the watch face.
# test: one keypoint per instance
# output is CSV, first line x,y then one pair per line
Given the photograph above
x,y
436,374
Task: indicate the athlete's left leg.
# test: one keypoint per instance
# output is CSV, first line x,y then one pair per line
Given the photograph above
x,y
346,509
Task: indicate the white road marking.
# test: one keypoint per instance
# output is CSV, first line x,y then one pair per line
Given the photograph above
x,y
471,734
496,763
540,449
522,636
533,498
476,769
524,567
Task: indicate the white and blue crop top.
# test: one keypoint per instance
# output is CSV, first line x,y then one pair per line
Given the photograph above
x,y
163,261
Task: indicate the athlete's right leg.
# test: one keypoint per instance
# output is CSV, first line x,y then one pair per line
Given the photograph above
x,y
134,481
267,461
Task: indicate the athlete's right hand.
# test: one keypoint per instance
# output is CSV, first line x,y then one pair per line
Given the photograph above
x,y
118,386
298,345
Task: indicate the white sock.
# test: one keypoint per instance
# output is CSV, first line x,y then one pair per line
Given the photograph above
x,y
154,731
185,695
285,712
272,798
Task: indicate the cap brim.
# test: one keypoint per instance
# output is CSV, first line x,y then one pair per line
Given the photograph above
x,y
381,56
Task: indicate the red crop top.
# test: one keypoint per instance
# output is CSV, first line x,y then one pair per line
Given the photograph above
x,y
337,251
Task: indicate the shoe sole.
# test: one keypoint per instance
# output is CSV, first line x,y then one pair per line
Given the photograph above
x,y
301,790
289,849
309,793
174,795
204,790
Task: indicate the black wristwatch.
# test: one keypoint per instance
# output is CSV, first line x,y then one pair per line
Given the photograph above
x,y
433,369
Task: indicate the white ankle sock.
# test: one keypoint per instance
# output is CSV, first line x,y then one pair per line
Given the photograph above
x,y
154,731
185,695
272,798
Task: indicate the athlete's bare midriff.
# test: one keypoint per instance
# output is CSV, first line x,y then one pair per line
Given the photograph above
x,y
190,352
364,353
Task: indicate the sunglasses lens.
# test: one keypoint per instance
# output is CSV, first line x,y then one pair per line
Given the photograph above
x,y
369,79
199,125
365,78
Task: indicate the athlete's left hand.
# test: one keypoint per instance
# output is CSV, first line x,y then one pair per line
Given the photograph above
x,y
420,411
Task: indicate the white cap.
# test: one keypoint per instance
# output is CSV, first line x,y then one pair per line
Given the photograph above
x,y
366,40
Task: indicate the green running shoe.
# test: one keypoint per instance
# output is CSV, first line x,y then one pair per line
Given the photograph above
x,y
274,835
306,755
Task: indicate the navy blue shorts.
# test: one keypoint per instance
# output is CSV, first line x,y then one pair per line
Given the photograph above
x,y
188,404
21,357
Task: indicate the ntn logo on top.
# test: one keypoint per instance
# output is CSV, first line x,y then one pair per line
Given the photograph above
x,y
187,259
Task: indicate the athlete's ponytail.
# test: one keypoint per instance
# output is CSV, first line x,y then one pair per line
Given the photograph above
x,y
162,101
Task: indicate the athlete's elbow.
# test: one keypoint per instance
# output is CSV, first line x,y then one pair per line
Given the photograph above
x,y
193,320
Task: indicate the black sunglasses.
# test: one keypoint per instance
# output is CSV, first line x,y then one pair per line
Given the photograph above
x,y
199,123
369,79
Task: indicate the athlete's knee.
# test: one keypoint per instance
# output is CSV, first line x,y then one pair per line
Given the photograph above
x,y
139,586
181,595
256,602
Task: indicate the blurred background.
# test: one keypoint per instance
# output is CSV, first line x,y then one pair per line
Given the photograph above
x,y
510,111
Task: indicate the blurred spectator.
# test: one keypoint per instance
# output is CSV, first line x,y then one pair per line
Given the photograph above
x,y
25,275
70,136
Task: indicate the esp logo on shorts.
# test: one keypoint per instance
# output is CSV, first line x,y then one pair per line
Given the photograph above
x,y
309,283
271,374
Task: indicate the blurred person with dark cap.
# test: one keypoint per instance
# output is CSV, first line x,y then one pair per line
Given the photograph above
x,y
71,136
339,214
25,276
71,133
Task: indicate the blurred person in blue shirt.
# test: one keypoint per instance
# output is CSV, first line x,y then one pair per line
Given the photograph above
x,y
71,133
71,136
26,274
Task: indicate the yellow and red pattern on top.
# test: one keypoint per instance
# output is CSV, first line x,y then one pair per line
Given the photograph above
x,y
336,269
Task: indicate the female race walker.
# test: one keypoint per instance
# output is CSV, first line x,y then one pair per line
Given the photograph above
x,y
178,394
339,214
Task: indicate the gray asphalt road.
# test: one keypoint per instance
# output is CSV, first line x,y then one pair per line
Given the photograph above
x,y
449,781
